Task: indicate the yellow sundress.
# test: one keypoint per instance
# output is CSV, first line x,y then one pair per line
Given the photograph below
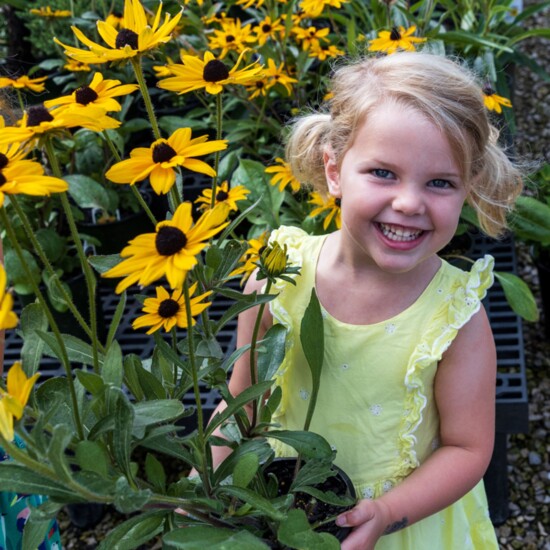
x,y
376,403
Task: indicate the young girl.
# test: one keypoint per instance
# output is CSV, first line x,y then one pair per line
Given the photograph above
x,y
408,385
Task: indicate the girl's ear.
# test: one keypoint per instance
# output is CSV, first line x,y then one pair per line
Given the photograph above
x,y
332,174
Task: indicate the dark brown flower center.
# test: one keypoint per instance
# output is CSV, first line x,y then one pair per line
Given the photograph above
x,y
229,38
162,152
3,161
266,28
338,202
395,34
2,179
488,90
85,95
126,37
170,240
214,71
222,196
37,114
168,308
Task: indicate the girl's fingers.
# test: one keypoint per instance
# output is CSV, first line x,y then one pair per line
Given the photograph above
x,y
362,512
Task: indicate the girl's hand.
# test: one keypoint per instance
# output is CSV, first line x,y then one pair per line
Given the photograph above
x,y
369,518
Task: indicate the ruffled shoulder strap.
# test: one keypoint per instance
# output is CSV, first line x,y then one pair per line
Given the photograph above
x,y
460,300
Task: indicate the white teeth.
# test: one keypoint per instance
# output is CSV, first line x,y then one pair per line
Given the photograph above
x,y
396,233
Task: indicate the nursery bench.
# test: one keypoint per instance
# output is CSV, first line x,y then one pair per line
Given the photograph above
x,y
511,391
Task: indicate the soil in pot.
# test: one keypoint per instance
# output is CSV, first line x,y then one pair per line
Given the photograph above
x,y
316,510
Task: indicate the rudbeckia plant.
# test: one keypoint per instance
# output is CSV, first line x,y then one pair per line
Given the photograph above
x,y
184,106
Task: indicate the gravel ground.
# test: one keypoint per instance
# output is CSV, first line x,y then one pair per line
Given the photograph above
x,y
528,527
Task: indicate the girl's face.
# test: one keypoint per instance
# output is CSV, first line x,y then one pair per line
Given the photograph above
x,y
400,188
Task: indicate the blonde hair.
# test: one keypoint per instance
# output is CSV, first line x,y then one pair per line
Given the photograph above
x,y
441,89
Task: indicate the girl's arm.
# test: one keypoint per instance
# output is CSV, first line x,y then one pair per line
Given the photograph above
x,y
240,377
465,397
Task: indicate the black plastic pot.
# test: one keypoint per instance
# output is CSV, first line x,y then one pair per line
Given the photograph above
x,y
340,484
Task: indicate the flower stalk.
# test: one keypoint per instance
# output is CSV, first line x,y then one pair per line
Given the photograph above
x,y
138,71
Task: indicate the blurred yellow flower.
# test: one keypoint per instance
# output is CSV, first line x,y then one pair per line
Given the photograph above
x,y
8,318
276,75
322,53
494,102
160,161
13,401
283,175
76,66
22,82
269,29
310,37
396,39
251,257
223,194
48,12
329,206
232,37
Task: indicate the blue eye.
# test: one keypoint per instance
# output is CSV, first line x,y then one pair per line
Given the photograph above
x,y
441,184
381,173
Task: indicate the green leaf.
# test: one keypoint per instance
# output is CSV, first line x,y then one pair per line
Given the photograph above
x,y
91,381
313,344
296,532
258,447
212,538
53,244
35,532
62,435
77,350
117,316
272,352
131,379
112,369
93,457
32,319
245,470
122,434
149,413
531,220
155,472
307,444
88,193
518,295
253,499
249,394
128,500
16,273
103,263
135,531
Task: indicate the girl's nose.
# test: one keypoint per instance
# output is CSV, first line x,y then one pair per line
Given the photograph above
x,y
409,201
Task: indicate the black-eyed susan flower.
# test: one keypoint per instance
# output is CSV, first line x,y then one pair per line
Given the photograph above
x,y
314,8
99,93
251,257
322,53
159,162
494,102
274,264
231,37
209,73
115,19
13,401
223,194
134,37
76,66
26,177
277,75
268,29
396,39
8,318
258,88
310,37
47,12
38,121
249,3
283,175
167,311
171,250
328,206
24,82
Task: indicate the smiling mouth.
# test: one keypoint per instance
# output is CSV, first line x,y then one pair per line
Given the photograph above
x,y
399,233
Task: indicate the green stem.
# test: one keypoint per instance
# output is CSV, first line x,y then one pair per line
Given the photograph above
x,y
20,99
253,343
196,390
136,64
44,258
86,269
217,154
175,348
51,320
